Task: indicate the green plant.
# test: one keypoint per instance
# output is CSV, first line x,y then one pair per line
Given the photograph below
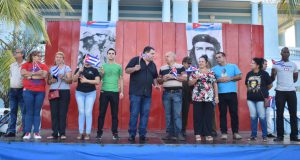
x,y
6,59
15,40
289,8
28,12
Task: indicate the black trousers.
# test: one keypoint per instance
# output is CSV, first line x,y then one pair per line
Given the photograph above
x,y
105,98
59,110
186,100
281,98
228,100
214,125
203,118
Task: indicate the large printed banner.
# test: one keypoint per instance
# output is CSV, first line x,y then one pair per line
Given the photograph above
x,y
95,39
203,38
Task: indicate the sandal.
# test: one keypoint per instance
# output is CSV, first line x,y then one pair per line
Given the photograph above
x,y
198,138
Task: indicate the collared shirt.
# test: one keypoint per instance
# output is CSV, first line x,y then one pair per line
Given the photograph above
x,y
15,75
141,81
172,83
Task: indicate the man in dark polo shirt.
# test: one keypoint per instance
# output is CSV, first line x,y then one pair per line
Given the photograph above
x,y
171,77
143,74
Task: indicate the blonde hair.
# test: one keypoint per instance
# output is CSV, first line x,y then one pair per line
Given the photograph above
x,y
61,54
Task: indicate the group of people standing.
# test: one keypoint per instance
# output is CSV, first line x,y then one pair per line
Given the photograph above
x,y
204,86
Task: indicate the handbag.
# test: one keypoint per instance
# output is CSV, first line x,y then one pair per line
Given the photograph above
x,y
266,100
54,94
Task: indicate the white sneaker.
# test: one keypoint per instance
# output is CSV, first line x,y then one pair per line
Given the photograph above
x,y
37,136
27,136
237,136
224,136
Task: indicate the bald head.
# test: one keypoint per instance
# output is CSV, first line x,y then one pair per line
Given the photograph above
x,y
170,57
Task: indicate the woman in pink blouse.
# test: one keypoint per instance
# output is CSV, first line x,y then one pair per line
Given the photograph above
x,y
204,93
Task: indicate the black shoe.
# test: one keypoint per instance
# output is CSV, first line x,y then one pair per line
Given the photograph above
x,y
184,134
115,136
143,139
271,136
131,139
180,138
214,134
278,139
295,139
252,139
99,136
167,137
10,134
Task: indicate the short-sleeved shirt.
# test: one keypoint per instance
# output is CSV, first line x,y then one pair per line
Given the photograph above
x,y
110,79
37,85
229,70
63,71
16,79
172,83
89,73
141,81
285,71
257,85
203,89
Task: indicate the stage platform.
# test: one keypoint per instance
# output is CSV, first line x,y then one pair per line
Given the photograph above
x,y
155,148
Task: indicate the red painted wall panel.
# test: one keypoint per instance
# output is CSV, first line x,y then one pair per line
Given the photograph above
x,y
244,60
156,112
240,42
129,51
119,59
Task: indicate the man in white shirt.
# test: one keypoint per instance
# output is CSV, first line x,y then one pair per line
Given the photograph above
x,y
286,73
16,93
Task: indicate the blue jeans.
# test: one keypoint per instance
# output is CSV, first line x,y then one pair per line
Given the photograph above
x,y
139,105
172,105
15,100
33,104
85,103
257,111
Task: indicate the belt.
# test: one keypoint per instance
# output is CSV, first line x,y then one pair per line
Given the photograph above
x,y
16,88
173,90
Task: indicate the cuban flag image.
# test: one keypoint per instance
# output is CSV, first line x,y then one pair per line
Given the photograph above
x,y
174,71
280,63
191,69
203,25
55,71
92,60
143,55
36,67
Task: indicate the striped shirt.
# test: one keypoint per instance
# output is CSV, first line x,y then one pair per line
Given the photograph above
x,y
172,83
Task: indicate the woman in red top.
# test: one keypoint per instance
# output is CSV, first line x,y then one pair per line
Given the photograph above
x,y
34,73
